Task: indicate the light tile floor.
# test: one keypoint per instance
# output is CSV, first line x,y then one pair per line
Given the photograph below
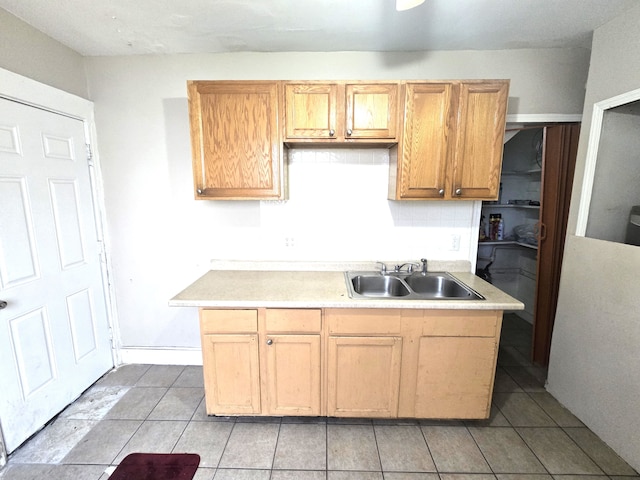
x,y
154,408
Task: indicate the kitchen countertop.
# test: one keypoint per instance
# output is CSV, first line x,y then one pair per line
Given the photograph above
x,y
317,289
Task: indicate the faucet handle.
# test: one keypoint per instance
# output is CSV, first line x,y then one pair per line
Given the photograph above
x,y
383,268
424,265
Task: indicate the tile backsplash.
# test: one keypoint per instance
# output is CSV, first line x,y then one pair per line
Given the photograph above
x,y
338,210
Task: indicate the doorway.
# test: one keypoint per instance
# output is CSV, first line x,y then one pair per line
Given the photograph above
x,y
537,177
55,335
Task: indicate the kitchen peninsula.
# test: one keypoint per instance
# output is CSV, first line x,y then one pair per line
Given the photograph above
x,y
287,339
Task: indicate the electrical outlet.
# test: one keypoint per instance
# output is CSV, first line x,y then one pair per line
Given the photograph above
x,y
289,242
455,243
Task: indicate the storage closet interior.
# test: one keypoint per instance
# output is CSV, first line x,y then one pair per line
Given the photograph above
x,y
508,240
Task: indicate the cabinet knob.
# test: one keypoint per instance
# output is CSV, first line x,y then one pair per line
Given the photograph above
x,y
441,192
458,192
199,191
269,342
349,132
332,132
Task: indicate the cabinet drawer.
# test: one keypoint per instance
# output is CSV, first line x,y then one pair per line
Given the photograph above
x,y
228,321
363,322
293,320
460,323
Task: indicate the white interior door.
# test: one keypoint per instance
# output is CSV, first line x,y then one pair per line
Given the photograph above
x,y
54,331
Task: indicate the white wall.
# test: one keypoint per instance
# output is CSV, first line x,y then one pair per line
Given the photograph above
x,y
161,239
594,368
31,53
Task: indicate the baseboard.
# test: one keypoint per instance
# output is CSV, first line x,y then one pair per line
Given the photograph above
x,y
161,356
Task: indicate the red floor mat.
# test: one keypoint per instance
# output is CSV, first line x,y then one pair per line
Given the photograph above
x,y
157,466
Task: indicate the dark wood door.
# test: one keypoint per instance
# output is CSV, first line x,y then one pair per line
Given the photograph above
x,y
560,148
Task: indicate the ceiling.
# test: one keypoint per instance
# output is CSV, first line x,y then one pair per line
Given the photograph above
x,y
126,27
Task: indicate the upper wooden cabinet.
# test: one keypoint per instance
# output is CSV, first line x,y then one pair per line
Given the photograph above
x,y
449,134
451,141
341,112
235,138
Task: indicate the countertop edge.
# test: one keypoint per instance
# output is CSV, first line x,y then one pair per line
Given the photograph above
x,y
330,292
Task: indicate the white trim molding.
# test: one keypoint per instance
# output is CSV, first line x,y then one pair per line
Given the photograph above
x,y
544,118
592,153
161,356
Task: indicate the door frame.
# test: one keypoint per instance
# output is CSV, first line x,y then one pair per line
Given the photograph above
x,y
30,92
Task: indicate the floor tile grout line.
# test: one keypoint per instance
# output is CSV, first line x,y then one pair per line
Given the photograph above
x,y
424,437
515,429
226,444
375,439
275,449
564,429
480,450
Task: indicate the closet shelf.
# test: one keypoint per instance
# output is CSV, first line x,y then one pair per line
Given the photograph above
x,y
508,205
536,171
507,242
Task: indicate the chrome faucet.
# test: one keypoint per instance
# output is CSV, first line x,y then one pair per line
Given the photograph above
x,y
410,265
424,266
383,268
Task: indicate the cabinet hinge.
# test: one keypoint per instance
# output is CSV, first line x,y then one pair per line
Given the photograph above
x,y
89,154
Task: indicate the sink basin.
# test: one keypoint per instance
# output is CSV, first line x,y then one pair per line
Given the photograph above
x,y
438,286
416,286
379,286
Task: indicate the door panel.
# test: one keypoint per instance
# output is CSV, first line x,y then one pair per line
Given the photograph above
x,y
363,376
54,332
293,374
22,265
561,145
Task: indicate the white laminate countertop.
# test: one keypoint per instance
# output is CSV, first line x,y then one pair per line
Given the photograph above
x,y
317,289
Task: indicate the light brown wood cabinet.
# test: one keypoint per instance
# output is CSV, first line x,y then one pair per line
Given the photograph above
x,y
292,370
235,139
449,365
383,363
448,133
364,355
450,146
317,112
261,361
231,361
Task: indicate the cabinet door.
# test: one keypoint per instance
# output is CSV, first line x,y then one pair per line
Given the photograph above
x,y
455,377
231,374
371,111
235,139
421,163
311,110
293,374
477,161
363,376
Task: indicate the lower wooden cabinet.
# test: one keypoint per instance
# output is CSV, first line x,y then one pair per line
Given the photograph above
x,y
448,366
455,377
363,376
383,363
261,361
232,374
293,374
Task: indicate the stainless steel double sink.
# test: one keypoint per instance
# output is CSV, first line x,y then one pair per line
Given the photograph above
x,y
408,286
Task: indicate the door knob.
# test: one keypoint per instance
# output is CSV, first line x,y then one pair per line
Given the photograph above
x,y
3,304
